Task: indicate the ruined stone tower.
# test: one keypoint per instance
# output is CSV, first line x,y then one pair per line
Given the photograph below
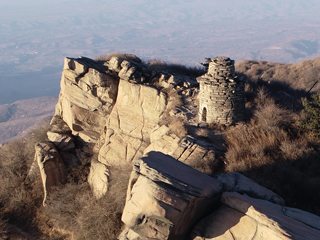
x,y
221,96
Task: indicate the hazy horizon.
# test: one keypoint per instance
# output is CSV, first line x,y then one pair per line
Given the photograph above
x,y
37,35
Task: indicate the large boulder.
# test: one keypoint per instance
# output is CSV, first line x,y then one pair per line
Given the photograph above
x,y
98,179
243,217
165,198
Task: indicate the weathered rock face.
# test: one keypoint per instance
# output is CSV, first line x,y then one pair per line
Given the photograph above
x,y
166,198
52,168
243,217
88,94
137,112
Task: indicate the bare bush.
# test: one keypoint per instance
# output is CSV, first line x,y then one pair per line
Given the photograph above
x,y
295,149
176,126
270,117
202,132
250,146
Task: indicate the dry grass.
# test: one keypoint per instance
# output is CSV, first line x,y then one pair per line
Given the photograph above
x,y
73,210
19,199
250,146
175,124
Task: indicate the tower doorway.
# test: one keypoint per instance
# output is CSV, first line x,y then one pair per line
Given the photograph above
x,y
204,115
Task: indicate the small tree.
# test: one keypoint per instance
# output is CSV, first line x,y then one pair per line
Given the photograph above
x,y
311,114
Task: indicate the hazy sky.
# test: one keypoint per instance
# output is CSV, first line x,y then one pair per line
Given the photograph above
x,y
36,35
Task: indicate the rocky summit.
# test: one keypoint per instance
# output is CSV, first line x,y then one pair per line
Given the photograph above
x,y
122,111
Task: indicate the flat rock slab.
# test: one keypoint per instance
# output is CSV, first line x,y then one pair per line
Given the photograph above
x,y
243,217
165,197
236,182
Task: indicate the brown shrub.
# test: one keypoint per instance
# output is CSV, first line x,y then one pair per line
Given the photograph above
x,y
270,117
202,132
250,146
175,125
210,165
295,149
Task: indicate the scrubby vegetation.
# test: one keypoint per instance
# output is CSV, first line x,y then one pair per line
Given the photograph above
x,y
311,115
75,213
273,149
20,199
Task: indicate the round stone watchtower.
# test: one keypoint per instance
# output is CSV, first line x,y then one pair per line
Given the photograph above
x,y
221,96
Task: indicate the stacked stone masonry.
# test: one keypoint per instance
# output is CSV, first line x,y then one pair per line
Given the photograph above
x,y
221,96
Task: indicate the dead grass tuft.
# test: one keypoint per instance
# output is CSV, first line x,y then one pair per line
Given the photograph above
x,y
202,132
175,125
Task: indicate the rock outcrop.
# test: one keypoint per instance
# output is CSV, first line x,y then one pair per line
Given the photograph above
x,y
121,106
137,112
236,182
88,94
128,111
243,217
166,198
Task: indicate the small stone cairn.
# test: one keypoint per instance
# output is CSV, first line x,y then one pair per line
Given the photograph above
x,y
221,96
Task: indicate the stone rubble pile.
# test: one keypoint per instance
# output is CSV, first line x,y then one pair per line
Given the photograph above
x,y
221,96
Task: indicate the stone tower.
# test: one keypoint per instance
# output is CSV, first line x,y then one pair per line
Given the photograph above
x,y
221,96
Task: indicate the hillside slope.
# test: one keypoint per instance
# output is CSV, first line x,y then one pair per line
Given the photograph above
x,y
302,75
17,118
